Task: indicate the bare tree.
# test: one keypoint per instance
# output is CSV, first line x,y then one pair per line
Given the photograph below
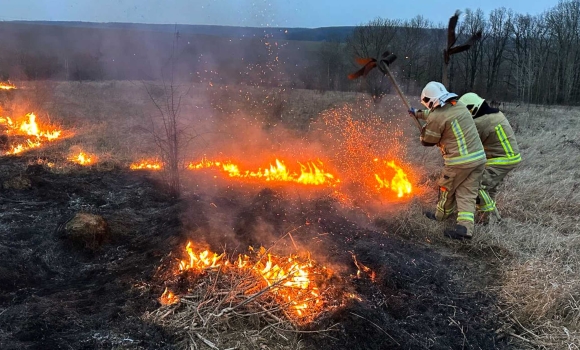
x,y
471,27
528,32
563,24
330,67
413,49
499,30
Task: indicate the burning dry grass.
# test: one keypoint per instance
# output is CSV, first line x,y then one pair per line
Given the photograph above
x,y
256,300
7,86
26,133
147,164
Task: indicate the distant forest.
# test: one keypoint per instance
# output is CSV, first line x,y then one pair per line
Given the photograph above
x,y
523,58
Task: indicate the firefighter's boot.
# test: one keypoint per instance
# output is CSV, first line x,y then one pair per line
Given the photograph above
x,y
430,215
458,232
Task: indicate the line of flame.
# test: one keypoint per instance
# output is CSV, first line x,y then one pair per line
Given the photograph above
x,y
310,173
146,164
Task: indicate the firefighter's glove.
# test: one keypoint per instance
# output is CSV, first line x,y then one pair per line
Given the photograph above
x,y
412,112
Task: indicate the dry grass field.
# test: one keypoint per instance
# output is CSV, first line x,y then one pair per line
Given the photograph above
x,y
528,264
536,245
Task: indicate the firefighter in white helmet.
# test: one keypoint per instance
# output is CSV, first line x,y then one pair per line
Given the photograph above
x,y
449,125
501,149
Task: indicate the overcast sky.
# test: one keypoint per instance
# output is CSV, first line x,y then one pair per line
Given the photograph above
x,y
278,13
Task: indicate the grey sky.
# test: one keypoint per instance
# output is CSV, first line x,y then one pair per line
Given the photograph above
x,y
280,13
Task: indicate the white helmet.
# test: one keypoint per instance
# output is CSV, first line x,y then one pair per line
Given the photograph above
x,y
435,94
473,102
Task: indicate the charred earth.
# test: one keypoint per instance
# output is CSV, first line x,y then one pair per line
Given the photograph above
x,y
57,293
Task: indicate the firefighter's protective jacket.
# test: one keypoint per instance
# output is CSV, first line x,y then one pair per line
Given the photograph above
x,y
452,128
498,138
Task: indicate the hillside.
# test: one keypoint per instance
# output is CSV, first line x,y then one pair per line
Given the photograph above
x,y
284,33
80,51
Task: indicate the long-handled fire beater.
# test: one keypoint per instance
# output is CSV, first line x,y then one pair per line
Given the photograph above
x,y
383,64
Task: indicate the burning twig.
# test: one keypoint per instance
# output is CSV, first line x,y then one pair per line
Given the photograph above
x,y
360,267
168,298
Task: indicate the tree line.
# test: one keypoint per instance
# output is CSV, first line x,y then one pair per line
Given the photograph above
x,y
520,57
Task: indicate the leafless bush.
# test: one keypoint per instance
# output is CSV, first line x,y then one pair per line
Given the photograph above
x,y
167,128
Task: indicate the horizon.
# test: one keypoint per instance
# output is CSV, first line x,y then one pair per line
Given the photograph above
x,y
170,24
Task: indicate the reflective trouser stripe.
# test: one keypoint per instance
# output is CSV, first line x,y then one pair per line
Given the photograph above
x,y
441,203
489,204
461,144
465,216
505,142
505,160
470,157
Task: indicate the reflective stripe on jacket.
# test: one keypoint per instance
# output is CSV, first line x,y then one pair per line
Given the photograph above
x,y
452,128
498,138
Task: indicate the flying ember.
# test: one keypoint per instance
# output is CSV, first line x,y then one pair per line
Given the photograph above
x,y
309,173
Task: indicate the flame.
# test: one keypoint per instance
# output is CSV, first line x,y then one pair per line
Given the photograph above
x,y
354,296
30,129
7,86
399,183
360,267
168,298
83,159
293,280
147,164
200,261
288,278
310,173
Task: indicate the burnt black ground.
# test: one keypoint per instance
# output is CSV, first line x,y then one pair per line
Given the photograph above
x,y
57,296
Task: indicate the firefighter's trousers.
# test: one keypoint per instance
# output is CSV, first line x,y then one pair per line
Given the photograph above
x,y
491,179
458,190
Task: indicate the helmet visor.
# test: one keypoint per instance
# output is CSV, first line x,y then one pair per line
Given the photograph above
x,y
472,109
